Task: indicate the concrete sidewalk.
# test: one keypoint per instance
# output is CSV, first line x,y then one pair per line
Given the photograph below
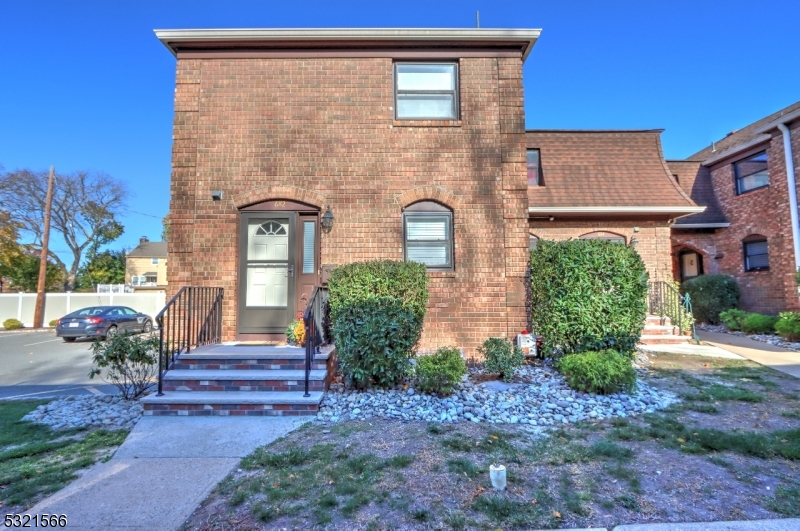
x,y
780,359
165,468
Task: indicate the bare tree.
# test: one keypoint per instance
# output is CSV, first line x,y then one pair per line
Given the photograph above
x,y
85,206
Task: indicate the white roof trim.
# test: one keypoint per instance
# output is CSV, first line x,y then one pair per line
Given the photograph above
x,y
168,36
617,210
780,120
700,225
736,149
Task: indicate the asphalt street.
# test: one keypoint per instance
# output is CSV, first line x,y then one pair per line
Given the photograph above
x,y
39,364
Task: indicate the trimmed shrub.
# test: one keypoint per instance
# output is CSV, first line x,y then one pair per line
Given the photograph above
x,y
375,341
360,281
130,362
440,372
733,318
710,295
12,324
756,323
788,326
603,372
501,357
54,322
587,295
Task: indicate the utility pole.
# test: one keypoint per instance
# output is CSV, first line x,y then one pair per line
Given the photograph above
x,y
38,316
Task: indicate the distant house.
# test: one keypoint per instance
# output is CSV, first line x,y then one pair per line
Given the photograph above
x,y
146,266
749,229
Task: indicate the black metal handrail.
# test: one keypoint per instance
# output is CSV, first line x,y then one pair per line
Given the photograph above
x,y
315,334
192,318
666,301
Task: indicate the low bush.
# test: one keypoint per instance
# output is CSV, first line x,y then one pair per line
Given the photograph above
x,y
375,341
710,295
130,362
733,318
587,295
602,372
756,323
12,324
440,372
296,332
501,357
788,325
54,322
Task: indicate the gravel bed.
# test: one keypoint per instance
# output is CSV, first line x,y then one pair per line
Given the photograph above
x,y
540,399
111,412
771,339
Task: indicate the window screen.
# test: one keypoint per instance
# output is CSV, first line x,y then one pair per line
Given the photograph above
x,y
308,246
426,91
428,239
751,173
756,255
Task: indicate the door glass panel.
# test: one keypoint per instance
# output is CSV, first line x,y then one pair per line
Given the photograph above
x,y
308,247
268,240
267,285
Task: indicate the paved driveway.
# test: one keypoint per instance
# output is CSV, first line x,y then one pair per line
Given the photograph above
x,y
38,364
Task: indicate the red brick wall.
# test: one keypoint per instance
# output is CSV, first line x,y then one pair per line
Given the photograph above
x,y
766,212
653,239
322,131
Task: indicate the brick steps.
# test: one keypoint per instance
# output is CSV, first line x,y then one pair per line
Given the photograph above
x,y
233,379
661,332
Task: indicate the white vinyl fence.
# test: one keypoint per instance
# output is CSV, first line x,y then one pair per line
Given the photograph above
x,y
21,305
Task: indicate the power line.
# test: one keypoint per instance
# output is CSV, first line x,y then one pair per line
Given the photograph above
x,y
142,213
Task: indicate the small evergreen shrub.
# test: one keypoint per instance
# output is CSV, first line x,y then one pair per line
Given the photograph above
x,y
375,341
602,372
501,357
54,322
587,295
756,323
12,324
733,318
788,326
710,295
130,362
440,372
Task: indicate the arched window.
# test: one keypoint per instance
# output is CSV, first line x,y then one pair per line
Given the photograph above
x,y
756,253
533,242
603,235
428,234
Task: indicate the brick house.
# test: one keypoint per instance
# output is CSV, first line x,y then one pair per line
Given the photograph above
x,y
749,229
415,142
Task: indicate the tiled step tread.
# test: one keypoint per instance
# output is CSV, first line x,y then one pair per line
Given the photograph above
x,y
243,375
251,351
235,397
216,355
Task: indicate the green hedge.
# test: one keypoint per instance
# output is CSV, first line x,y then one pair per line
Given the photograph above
x,y
711,295
756,323
440,372
587,295
360,281
12,324
788,326
602,372
733,318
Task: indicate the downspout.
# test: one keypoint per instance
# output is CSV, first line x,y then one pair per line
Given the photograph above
x,y
787,153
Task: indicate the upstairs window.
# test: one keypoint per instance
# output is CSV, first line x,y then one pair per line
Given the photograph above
x,y
534,168
154,261
426,91
751,173
428,235
756,253
602,235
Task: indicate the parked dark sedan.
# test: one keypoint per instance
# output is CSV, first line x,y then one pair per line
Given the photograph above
x,y
102,322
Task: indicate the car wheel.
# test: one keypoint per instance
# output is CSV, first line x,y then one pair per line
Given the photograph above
x,y
111,332
68,339
148,327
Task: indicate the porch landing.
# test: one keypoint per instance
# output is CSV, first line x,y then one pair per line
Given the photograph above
x,y
242,379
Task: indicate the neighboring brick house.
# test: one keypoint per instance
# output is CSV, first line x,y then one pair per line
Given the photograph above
x,y
747,228
415,142
146,266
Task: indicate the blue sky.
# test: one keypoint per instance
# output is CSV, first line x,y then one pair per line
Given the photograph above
x,y
86,85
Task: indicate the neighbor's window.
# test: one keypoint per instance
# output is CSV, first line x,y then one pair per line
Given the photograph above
x,y
756,253
151,279
426,91
534,169
428,235
533,242
602,235
751,173
154,261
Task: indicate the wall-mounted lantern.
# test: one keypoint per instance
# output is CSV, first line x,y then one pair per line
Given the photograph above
x,y
327,220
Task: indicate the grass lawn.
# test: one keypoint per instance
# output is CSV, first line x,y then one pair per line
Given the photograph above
x,y
36,461
729,451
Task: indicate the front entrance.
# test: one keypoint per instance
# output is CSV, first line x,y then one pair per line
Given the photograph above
x,y
691,264
278,266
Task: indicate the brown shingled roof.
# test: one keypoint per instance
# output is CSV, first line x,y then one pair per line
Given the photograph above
x,y
603,169
741,136
695,180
